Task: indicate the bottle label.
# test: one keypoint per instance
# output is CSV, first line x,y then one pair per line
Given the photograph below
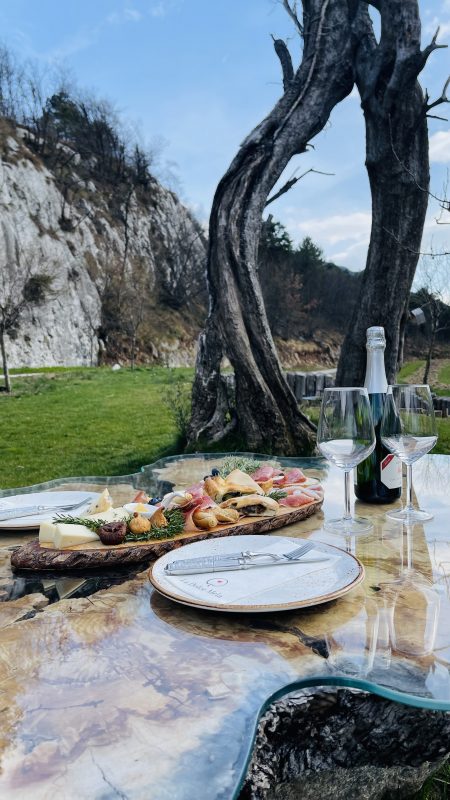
x,y
391,472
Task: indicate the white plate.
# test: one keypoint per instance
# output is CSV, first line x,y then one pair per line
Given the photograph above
x,y
326,581
55,499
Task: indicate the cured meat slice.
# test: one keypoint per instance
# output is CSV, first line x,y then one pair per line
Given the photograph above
x,y
197,489
195,504
296,500
293,476
263,474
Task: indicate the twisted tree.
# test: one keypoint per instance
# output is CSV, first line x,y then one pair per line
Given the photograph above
x,y
263,411
395,113
339,47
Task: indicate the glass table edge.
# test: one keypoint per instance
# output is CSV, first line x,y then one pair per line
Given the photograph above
x,y
304,461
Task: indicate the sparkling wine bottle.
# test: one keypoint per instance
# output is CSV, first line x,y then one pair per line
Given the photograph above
x,y
378,479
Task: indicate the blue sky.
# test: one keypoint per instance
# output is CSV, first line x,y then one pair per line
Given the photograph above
x,y
199,75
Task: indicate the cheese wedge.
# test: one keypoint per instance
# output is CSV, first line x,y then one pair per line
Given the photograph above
x,y
47,532
70,535
103,503
108,516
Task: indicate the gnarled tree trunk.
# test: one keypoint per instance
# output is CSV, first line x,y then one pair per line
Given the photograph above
x,y
397,163
265,413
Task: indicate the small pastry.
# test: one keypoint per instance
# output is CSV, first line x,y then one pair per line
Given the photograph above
x,y
204,519
226,514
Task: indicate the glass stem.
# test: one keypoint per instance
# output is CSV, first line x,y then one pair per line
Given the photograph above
x,y
347,513
409,489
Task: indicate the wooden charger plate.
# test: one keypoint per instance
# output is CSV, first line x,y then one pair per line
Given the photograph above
x,y
36,557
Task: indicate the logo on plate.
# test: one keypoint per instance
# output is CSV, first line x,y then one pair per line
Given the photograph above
x,y
217,582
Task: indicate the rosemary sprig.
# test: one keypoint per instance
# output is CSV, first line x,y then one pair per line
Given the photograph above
x,y
174,517
92,524
245,464
277,494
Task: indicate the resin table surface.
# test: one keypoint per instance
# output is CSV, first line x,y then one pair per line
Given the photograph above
x,y
107,689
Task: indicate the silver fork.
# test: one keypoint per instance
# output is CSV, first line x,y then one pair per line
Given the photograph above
x,y
28,511
293,555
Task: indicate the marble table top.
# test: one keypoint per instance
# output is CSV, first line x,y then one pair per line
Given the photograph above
x,y
108,689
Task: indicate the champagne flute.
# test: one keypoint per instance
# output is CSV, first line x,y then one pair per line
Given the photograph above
x,y
408,429
346,437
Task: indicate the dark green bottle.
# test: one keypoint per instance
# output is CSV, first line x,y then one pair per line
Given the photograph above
x,y
379,477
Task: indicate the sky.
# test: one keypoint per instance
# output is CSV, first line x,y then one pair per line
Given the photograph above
x,y
195,76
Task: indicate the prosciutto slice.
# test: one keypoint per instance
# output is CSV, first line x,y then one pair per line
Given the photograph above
x,y
293,476
296,500
196,503
263,474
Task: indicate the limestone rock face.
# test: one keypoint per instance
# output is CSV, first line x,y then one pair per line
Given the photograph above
x,y
161,234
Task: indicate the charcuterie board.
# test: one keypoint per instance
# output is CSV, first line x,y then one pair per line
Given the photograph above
x,y
35,556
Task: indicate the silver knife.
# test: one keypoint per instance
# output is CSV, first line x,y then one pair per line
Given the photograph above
x,y
26,511
233,561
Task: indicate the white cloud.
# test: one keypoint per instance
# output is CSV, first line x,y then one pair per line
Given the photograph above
x,y
443,25
440,147
132,14
353,227
159,10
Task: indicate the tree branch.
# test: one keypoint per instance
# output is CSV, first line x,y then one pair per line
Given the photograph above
x,y
431,48
291,182
292,11
441,99
284,55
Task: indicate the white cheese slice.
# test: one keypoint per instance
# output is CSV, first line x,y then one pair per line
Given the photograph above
x,y
107,516
70,535
47,532
103,503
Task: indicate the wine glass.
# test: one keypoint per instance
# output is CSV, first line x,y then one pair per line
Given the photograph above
x,y
346,437
408,429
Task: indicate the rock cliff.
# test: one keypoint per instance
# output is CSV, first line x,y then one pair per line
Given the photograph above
x,y
77,229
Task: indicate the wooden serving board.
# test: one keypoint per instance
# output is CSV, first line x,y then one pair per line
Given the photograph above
x,y
33,556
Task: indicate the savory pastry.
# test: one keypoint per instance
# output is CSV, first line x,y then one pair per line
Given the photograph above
x,y
252,505
266,486
238,483
226,514
138,524
215,487
112,532
204,518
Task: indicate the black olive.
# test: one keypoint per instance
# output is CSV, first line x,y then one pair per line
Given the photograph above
x,y
154,501
215,472
205,477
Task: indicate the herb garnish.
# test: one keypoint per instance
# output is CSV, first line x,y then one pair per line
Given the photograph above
x,y
277,494
174,517
245,464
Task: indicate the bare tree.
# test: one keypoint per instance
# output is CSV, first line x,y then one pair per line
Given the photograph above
x,y
24,282
265,414
434,294
395,112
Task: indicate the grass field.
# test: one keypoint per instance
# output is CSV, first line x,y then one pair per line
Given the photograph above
x,y
88,422
93,421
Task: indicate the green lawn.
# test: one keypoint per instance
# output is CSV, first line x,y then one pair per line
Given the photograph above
x,y
97,422
409,369
444,375
88,422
